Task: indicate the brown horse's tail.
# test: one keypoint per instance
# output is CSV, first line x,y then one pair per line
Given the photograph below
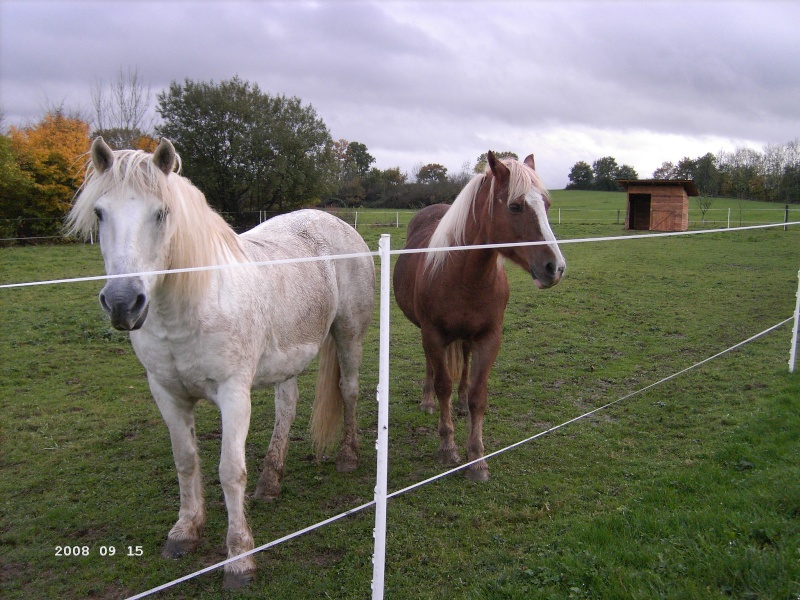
x,y
454,357
328,412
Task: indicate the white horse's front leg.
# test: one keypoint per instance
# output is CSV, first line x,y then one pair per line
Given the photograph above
x,y
234,405
178,414
286,397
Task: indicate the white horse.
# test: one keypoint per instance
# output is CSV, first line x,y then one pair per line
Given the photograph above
x,y
217,333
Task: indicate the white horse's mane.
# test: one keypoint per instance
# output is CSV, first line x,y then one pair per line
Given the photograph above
x,y
450,230
196,235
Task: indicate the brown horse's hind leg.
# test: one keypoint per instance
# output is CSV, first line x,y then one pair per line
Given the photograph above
x,y
428,396
463,384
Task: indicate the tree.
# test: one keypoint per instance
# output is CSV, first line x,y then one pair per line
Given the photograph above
x,y
352,166
581,176
432,173
50,166
122,112
667,170
357,152
626,172
246,149
605,173
16,190
706,175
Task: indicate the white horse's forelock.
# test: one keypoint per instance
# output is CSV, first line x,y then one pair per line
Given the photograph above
x,y
450,230
197,236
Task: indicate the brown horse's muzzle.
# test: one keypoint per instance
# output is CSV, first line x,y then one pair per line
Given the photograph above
x,y
548,274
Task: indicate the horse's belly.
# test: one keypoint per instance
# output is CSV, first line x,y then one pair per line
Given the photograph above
x,y
284,364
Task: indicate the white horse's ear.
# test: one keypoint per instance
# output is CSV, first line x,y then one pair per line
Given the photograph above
x,y
102,155
530,162
164,156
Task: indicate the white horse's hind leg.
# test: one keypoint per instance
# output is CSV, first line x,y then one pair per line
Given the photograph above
x,y
178,414
349,353
286,396
235,410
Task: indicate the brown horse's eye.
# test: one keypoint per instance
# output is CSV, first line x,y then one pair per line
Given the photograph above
x,y
515,207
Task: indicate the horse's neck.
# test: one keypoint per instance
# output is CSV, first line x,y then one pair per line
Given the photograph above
x,y
478,264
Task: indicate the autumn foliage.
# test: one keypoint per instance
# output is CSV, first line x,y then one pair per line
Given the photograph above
x,y
42,167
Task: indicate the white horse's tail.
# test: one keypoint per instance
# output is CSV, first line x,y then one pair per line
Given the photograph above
x,y
328,412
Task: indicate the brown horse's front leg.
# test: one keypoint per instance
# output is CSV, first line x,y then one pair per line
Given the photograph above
x,y
484,356
443,387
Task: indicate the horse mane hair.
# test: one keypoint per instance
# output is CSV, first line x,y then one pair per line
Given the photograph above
x,y
450,230
196,235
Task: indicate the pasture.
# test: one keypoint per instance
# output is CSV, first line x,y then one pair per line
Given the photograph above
x,y
690,489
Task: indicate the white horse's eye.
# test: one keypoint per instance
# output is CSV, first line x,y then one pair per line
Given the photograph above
x,y
99,214
161,215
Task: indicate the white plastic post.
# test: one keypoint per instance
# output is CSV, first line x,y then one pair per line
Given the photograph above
x,y
729,218
793,351
382,445
355,223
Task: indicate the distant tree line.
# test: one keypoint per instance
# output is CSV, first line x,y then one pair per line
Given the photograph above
x,y
772,175
250,152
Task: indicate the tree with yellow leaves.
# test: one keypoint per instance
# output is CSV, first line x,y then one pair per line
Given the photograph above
x,y
50,157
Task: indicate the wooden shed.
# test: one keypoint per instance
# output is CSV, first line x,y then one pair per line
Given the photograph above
x,y
658,204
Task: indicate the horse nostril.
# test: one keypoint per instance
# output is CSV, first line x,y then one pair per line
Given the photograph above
x,y
103,304
139,303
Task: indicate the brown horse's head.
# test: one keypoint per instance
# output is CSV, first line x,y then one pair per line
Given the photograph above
x,y
518,207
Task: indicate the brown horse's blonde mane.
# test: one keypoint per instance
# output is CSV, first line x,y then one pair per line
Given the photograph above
x,y
450,230
196,235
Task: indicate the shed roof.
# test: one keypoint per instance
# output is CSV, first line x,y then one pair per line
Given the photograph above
x,y
686,184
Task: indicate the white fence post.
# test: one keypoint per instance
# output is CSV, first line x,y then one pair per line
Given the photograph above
x,y
793,351
382,445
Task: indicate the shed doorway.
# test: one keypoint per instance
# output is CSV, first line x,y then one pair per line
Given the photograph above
x,y
639,216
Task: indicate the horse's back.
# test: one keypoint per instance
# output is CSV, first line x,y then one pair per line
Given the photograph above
x,y
307,233
408,266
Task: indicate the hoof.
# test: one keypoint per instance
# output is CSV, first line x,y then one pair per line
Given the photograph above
x,y
268,487
462,410
479,474
449,457
178,548
346,464
427,408
237,581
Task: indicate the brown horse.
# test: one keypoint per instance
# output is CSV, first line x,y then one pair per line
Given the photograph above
x,y
458,297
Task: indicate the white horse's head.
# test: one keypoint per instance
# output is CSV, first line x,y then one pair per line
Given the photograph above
x,y
131,222
148,218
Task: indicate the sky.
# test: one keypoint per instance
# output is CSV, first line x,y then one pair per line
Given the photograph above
x,y
443,82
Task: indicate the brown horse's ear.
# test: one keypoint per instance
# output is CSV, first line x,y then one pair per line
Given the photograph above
x,y
102,155
164,156
498,168
530,162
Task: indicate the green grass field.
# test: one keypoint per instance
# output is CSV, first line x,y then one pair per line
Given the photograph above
x,y
688,490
